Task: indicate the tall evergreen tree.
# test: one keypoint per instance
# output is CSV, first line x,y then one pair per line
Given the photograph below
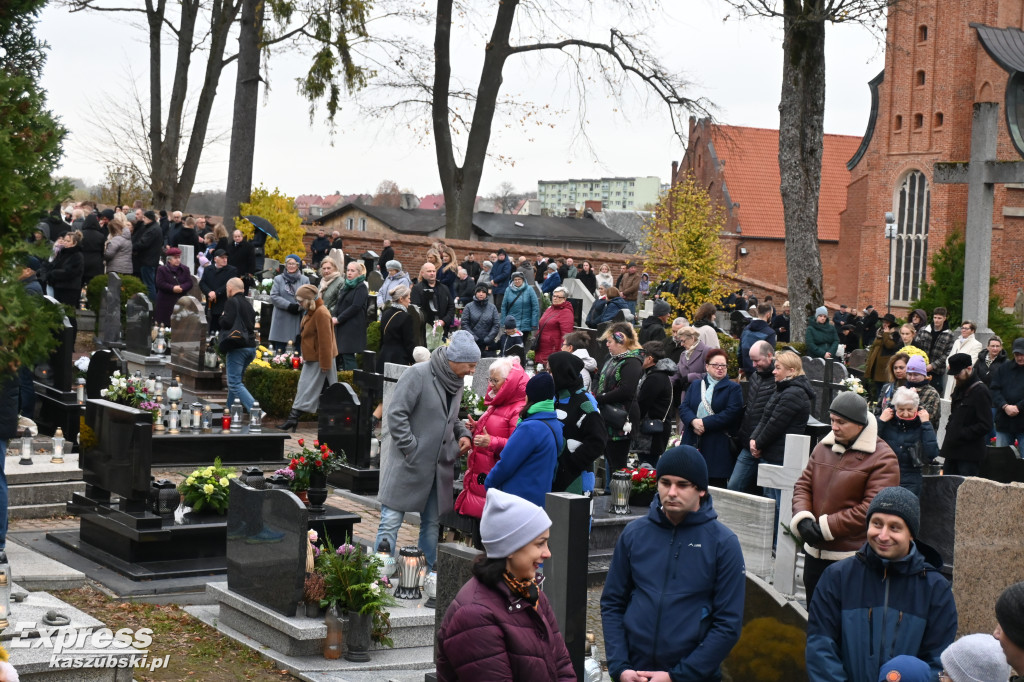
x,y
30,150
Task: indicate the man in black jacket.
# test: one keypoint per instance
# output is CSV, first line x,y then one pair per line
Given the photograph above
x,y
760,388
434,300
471,266
242,257
1008,398
214,284
94,237
780,323
653,327
386,254
970,419
320,247
147,243
238,315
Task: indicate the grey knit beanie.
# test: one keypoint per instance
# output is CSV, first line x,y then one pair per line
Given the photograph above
x,y
898,502
821,310
975,658
1010,613
393,265
849,405
463,348
510,523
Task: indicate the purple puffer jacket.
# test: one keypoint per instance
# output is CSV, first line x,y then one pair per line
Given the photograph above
x,y
488,635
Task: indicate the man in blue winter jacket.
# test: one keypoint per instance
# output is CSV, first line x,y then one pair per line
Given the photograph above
x,y
887,600
672,606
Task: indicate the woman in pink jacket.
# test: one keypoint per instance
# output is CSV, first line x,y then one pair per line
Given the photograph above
x,y
555,324
505,398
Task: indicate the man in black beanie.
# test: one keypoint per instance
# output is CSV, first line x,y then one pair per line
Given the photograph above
x,y
1010,627
672,606
845,472
889,600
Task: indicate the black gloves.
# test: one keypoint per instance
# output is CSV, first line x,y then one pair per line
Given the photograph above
x,y
480,478
810,532
293,308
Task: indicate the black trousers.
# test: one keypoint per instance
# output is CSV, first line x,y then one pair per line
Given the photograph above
x,y
959,467
813,568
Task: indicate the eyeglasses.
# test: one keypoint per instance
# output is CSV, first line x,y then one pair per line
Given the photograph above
x,y
718,365
558,298
966,326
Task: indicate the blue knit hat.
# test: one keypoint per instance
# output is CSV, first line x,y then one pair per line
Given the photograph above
x,y
294,257
905,669
684,461
540,387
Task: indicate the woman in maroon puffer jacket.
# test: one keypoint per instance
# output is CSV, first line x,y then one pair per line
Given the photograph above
x,y
501,628
554,325
505,397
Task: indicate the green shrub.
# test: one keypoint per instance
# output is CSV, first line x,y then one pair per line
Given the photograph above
x,y
129,287
373,337
799,347
275,388
731,347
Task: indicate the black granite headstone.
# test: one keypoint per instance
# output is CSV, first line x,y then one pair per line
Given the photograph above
x,y
61,369
102,365
340,426
1002,464
139,324
266,546
577,311
116,450
109,323
565,574
188,333
938,516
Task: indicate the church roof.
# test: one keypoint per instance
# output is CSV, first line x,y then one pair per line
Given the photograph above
x,y
1004,45
751,175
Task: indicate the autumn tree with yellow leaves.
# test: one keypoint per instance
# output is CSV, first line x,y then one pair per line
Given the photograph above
x,y
280,210
681,241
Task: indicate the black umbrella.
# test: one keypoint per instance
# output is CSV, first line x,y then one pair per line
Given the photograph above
x,y
262,224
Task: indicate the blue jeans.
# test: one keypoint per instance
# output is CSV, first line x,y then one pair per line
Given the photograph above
x,y
744,473
3,496
236,361
1004,438
773,494
148,276
391,521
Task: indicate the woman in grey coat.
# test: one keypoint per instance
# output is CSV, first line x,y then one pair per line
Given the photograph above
x,y
284,326
396,277
424,437
117,251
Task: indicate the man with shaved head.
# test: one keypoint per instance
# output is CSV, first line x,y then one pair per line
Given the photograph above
x,y
237,340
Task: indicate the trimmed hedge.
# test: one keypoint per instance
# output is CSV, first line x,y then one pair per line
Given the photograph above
x,y
129,287
373,337
275,388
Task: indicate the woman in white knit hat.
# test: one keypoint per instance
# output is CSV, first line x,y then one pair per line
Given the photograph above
x,y
974,658
501,626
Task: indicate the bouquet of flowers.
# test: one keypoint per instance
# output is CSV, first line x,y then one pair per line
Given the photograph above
x,y
322,458
264,286
644,479
853,384
208,487
352,582
471,402
435,335
126,390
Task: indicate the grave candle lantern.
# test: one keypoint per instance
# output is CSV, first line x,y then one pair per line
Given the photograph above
x,y
256,418
151,383
172,419
295,362
410,561
620,486
158,425
430,588
197,417
174,390
80,391
236,415
26,447
58,447
225,421
207,419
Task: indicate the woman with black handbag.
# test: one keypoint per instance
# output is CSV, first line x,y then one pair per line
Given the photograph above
x,y
712,409
616,393
654,400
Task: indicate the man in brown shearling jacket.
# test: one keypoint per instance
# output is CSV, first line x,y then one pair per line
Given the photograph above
x,y
845,472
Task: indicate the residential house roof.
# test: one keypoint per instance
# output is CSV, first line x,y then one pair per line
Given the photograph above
x,y
406,220
501,226
751,176
432,201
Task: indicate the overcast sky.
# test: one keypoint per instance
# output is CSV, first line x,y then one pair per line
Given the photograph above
x,y
736,64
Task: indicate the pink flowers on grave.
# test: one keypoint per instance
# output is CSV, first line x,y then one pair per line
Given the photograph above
x,y
345,549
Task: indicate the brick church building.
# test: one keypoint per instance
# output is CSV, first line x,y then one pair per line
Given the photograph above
x,y
940,60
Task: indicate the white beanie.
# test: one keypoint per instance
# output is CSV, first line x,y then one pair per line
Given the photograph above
x,y
510,523
975,658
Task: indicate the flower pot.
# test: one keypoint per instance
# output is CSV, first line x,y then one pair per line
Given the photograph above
x,y
303,495
314,610
643,499
317,493
358,641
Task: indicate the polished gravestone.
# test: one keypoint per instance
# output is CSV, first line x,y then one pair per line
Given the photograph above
x,y
374,281
189,334
773,639
138,324
102,365
345,426
109,322
938,516
117,528
235,448
57,402
266,546
1002,464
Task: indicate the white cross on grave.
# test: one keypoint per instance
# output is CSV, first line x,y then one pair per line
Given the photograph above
x,y
784,478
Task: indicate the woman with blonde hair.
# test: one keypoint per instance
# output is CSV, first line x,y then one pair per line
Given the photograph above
x,y
604,276
350,315
616,392
117,250
220,237
448,271
330,281
318,351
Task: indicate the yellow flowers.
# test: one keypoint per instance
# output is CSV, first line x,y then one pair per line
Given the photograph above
x,y
208,489
224,481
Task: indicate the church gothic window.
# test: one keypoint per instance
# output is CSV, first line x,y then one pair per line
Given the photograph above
x,y
910,245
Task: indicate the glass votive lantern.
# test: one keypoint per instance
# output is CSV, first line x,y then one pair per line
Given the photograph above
x,y
430,589
387,568
58,447
197,417
184,418
225,421
158,424
151,383
174,390
80,391
620,485
172,419
26,447
236,415
256,418
207,419
410,561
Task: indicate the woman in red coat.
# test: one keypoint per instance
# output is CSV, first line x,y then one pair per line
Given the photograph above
x,y
505,397
554,325
501,627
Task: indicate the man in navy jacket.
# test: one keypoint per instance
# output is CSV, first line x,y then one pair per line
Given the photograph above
x,y
672,606
887,600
